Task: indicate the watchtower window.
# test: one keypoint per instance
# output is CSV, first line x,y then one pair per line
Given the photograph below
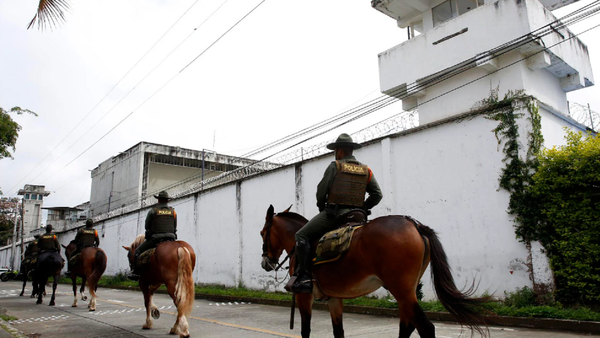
x,y
452,8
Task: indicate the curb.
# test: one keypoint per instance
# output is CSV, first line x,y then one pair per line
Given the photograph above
x,y
522,322
4,325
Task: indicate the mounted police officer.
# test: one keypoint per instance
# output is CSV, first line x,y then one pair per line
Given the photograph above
x,y
48,241
31,253
161,225
342,188
86,237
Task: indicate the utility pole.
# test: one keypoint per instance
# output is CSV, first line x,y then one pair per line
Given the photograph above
x,y
22,230
14,241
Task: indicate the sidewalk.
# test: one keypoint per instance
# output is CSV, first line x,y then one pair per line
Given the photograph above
x,y
8,331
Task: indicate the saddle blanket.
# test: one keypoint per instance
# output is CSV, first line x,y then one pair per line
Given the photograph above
x,y
334,244
144,258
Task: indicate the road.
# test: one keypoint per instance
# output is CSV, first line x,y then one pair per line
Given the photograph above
x,y
120,313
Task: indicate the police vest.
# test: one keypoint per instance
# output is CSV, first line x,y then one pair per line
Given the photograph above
x,y
87,237
46,242
349,184
163,220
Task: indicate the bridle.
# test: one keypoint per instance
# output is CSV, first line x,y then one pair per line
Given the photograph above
x,y
267,244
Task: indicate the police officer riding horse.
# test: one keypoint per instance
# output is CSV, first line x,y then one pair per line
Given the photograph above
x,y
85,238
161,225
342,189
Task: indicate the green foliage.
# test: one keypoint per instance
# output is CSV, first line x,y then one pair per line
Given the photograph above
x,y
9,130
518,173
566,190
9,207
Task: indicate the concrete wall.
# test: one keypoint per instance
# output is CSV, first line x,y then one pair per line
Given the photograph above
x,y
443,174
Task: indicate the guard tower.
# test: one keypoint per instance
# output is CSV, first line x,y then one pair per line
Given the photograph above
x,y
470,38
33,199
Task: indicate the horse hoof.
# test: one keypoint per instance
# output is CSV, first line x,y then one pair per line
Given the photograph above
x,y
51,304
155,313
172,332
91,310
39,302
145,327
84,298
21,295
73,305
32,296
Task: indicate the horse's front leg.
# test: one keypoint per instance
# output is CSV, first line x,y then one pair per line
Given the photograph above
x,y
74,282
336,308
24,283
54,285
305,301
82,290
147,304
41,288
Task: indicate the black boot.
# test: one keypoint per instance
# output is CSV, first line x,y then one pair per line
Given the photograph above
x,y
303,282
134,275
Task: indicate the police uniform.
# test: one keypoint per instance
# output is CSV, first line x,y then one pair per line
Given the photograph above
x,y
342,188
161,225
48,242
86,237
31,252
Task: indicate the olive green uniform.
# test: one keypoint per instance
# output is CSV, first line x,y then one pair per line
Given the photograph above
x,y
31,252
161,225
48,242
325,220
86,237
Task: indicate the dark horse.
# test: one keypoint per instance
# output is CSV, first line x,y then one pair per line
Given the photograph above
x,y
171,264
392,252
90,266
49,265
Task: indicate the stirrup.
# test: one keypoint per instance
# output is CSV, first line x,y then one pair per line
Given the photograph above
x,y
134,277
303,286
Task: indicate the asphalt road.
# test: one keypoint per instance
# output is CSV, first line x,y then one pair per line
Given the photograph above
x,y
120,313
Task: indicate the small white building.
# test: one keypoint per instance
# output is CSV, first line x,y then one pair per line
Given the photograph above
x,y
147,168
33,200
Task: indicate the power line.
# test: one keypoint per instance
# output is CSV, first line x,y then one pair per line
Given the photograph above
x,y
159,89
105,96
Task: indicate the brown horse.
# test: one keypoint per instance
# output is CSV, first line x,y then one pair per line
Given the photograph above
x,y
171,264
90,266
392,252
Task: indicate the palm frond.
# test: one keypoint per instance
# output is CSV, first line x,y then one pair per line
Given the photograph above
x,y
50,13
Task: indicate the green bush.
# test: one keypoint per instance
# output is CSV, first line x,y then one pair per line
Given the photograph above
x,y
566,192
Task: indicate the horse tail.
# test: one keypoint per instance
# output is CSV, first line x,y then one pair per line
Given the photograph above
x,y
99,267
184,288
460,304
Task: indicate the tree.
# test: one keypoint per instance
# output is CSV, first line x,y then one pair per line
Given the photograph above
x,y
9,130
49,13
9,208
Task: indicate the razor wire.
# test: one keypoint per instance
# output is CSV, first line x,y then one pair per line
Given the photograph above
x,y
191,185
584,115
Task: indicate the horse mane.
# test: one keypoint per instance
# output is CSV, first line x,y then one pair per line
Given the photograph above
x,y
137,241
294,216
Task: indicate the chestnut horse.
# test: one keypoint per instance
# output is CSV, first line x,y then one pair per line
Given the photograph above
x,y
392,252
90,266
171,264
49,265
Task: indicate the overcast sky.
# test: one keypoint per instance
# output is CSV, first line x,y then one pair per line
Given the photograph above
x,y
288,65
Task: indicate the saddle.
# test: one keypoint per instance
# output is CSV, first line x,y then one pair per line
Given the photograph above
x,y
144,259
73,260
334,244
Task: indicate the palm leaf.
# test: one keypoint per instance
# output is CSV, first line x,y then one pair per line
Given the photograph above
x,y
50,13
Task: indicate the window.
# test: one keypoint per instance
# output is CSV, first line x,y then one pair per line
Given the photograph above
x,y
444,12
453,8
26,196
40,197
34,196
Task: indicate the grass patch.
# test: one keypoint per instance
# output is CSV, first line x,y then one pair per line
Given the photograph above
x,y
7,317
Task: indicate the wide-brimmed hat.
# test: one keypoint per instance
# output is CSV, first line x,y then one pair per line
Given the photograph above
x,y
162,195
344,140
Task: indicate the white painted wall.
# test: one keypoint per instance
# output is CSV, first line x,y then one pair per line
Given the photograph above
x,y
444,175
